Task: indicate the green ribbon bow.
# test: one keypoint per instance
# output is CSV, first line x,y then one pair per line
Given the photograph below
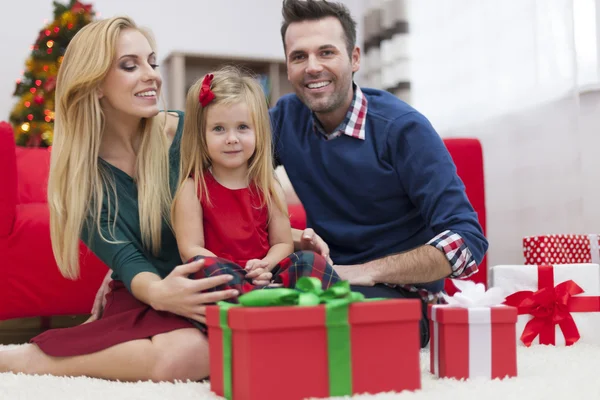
x,y
308,292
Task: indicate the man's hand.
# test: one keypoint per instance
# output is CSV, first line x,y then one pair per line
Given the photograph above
x,y
258,270
313,242
100,300
355,274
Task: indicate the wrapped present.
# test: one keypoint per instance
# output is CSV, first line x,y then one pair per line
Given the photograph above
x,y
291,344
473,335
557,304
561,249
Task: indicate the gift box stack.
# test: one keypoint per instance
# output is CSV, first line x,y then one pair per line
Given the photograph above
x,y
297,343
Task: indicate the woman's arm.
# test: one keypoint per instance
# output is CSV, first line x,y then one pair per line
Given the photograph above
x,y
187,223
175,293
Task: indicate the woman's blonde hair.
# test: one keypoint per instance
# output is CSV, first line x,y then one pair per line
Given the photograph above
x,y
78,185
230,85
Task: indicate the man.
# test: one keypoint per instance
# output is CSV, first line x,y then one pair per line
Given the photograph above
x,y
378,185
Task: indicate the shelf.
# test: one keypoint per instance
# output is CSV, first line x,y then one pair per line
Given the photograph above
x,y
184,68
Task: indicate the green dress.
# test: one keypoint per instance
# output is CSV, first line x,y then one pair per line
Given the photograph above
x,y
129,257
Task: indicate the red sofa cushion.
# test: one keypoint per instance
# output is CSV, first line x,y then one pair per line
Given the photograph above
x,y
8,180
33,165
32,284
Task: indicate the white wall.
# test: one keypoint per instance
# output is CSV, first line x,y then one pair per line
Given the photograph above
x,y
241,27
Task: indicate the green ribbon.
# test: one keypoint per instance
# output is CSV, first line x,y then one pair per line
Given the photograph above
x,y
308,292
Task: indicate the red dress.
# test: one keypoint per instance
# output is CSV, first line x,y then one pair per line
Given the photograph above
x,y
235,222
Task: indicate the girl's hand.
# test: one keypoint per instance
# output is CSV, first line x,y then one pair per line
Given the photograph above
x,y
259,272
180,295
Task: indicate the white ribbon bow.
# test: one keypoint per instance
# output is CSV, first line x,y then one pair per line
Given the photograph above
x,y
474,295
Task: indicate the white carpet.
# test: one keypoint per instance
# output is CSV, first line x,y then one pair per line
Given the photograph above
x,y
544,373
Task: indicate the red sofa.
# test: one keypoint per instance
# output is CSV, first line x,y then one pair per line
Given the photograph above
x,y
31,284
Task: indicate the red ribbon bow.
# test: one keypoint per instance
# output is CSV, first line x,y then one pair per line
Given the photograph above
x,y
206,95
551,306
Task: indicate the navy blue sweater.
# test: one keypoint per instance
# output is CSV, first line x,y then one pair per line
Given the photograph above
x,y
389,193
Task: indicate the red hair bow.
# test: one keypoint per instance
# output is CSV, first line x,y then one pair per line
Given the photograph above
x,y
206,95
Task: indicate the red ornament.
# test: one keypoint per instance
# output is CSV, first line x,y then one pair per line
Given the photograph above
x,y
34,140
69,26
38,82
49,51
27,104
33,90
30,117
50,84
48,32
81,8
39,100
56,29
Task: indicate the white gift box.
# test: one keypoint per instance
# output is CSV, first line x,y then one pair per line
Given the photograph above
x,y
517,278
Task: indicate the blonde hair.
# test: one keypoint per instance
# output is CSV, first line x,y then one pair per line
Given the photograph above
x,y
77,184
230,85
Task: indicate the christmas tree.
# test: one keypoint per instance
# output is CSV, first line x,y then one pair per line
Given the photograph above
x,y
33,115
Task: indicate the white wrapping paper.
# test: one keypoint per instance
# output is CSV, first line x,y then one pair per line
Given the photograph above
x,y
515,278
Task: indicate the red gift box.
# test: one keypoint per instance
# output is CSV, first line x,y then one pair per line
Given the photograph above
x,y
281,352
473,342
561,249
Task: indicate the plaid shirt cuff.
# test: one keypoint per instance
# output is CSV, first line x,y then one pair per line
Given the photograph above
x,y
458,254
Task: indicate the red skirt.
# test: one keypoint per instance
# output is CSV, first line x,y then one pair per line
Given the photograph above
x,y
125,318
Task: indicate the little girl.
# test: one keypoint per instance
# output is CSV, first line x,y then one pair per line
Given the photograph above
x,y
228,207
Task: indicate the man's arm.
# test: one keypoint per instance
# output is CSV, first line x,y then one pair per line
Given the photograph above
x,y
429,177
420,265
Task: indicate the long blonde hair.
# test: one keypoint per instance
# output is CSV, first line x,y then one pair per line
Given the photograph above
x,y
77,184
230,85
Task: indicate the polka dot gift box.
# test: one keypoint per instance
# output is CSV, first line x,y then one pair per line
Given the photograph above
x,y
561,249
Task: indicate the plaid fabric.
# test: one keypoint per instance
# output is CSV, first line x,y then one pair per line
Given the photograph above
x,y
354,123
460,258
287,272
456,251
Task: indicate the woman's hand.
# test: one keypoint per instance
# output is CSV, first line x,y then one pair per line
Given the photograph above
x,y
100,300
180,295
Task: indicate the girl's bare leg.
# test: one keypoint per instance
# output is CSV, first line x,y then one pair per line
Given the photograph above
x,y
178,355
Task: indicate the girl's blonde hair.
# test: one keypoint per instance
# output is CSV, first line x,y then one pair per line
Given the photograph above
x,y
78,185
230,85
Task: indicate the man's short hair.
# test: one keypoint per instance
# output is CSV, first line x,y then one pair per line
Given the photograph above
x,y
312,10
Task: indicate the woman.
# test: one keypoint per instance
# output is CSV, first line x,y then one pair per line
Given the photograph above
x,y
114,158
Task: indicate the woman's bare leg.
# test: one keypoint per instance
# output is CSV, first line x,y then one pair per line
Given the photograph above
x,y
178,355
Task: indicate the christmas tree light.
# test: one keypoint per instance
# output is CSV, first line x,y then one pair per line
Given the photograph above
x,y
32,117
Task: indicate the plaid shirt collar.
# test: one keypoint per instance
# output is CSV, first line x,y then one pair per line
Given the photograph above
x,y
354,123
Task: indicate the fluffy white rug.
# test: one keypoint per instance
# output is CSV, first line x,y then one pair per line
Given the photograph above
x,y
545,372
